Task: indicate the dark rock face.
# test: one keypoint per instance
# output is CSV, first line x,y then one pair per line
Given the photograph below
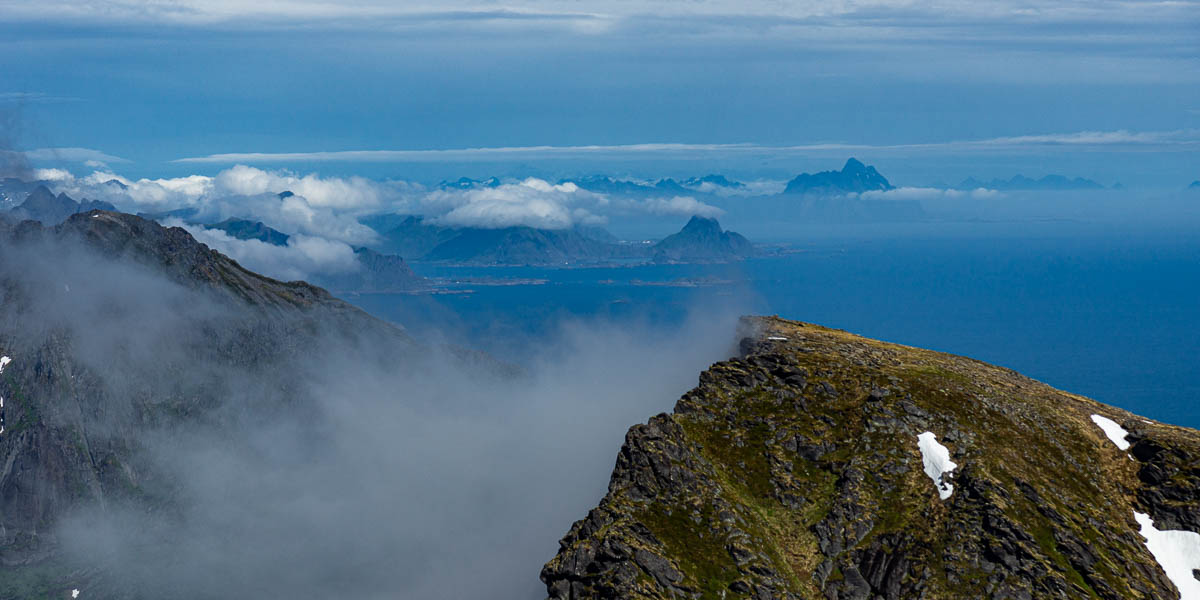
x,y
702,239
855,177
793,471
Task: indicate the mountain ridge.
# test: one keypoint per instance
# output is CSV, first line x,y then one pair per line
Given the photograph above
x,y
794,470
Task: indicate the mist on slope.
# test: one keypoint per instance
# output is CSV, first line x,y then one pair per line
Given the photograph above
x,y
330,470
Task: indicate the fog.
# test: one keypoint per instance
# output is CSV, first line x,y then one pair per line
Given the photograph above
x,y
312,463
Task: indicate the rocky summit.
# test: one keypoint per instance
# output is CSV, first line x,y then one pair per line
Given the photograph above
x,y
820,464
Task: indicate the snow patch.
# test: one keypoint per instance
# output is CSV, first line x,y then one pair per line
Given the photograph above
x,y
1177,552
4,360
938,465
74,593
1115,432
776,338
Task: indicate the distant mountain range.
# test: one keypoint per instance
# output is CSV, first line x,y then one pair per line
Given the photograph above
x,y
43,206
606,184
701,240
1020,182
855,177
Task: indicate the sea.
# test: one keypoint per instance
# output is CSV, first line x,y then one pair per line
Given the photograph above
x,y
1107,310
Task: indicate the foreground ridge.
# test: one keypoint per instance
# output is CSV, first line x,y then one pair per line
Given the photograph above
x,y
809,467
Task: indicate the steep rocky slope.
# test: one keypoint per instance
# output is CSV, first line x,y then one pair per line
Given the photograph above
x,y
115,331
799,470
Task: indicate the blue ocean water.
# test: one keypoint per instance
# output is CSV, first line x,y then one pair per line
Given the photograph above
x,y
1110,312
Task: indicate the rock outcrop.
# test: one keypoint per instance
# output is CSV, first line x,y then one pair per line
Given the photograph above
x,y
794,471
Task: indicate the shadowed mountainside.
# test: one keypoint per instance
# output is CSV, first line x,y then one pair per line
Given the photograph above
x,y
117,335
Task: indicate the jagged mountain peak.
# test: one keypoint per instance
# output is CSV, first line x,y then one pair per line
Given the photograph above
x,y
855,177
702,239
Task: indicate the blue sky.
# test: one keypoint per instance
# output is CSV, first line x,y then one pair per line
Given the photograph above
x,y
936,92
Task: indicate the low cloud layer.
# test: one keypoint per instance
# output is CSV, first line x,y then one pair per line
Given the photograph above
x,y
322,213
304,257
920,193
532,202
329,207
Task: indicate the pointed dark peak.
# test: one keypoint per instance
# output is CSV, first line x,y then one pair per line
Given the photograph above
x,y
699,223
855,177
853,165
40,193
702,239
286,194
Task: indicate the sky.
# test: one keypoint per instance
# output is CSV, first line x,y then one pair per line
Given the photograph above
x,y
928,92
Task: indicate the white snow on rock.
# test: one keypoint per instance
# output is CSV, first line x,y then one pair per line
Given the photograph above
x,y
777,338
1177,552
937,463
1115,432
75,593
4,360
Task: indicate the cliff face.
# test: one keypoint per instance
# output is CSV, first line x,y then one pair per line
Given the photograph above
x,y
819,464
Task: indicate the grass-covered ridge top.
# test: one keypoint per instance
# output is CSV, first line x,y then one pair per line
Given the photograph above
x,y
793,471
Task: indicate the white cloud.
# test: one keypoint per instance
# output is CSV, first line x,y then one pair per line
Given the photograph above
x,y
532,202
302,258
760,187
52,174
682,206
590,16
79,155
323,207
918,194
34,97
334,192
1181,140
